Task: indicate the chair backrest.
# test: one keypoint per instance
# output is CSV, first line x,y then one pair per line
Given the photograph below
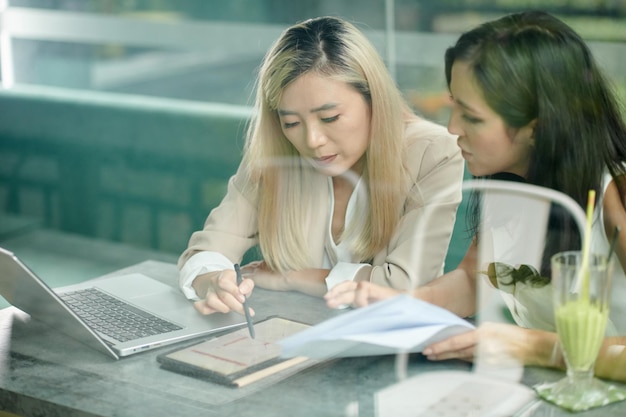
x,y
513,231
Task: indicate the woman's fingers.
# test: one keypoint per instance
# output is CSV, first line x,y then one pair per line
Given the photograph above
x,y
456,347
225,295
341,294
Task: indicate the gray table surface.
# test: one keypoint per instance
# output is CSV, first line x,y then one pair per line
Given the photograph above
x,y
43,373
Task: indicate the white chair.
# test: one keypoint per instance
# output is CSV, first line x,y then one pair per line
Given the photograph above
x,y
516,214
513,229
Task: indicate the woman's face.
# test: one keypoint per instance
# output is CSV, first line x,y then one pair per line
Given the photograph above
x,y
488,145
327,121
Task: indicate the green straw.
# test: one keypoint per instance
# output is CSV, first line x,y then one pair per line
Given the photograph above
x,y
584,266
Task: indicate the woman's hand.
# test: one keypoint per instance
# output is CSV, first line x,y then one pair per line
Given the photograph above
x,y
357,294
219,292
500,340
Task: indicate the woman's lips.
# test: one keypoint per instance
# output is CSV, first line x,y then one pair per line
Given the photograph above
x,y
325,160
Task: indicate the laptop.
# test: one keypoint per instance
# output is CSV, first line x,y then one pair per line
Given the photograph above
x,y
118,315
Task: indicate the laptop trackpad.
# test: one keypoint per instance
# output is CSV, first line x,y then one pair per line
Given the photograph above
x,y
145,292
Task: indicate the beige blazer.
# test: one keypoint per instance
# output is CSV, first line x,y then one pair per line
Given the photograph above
x,y
416,253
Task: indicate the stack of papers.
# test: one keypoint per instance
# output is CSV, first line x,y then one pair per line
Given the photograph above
x,y
396,325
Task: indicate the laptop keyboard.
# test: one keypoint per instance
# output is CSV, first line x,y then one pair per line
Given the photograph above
x,y
113,317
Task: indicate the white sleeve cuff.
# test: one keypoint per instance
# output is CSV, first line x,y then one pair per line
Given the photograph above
x,y
200,263
343,271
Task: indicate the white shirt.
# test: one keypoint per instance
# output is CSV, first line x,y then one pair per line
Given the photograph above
x,y
343,270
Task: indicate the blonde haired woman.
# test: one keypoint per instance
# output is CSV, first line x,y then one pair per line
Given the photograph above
x,y
337,173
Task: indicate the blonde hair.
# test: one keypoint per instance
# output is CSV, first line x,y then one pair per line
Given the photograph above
x,y
335,48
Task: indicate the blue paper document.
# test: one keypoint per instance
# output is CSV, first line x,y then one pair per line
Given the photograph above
x,y
399,324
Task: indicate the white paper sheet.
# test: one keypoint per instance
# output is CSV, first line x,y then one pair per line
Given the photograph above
x,y
399,324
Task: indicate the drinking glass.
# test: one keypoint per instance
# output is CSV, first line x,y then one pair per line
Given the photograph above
x,y
581,302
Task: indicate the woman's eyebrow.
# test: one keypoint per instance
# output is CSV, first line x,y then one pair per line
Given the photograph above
x,y
328,106
465,105
282,112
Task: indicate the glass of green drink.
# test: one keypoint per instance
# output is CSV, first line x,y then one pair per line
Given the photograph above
x,y
581,303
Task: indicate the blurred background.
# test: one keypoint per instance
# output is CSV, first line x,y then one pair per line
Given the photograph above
x,y
122,120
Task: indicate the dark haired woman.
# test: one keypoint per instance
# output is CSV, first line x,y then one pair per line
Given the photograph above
x,y
530,103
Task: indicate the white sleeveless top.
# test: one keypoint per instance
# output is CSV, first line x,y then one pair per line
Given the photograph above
x,y
533,307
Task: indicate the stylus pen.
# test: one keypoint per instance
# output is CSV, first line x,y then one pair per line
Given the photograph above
x,y
246,310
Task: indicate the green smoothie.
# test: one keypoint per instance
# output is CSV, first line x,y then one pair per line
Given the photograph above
x,y
581,325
